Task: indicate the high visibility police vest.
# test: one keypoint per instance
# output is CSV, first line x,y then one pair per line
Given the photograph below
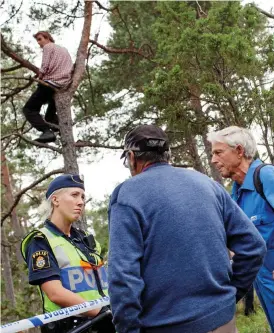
x,y
87,282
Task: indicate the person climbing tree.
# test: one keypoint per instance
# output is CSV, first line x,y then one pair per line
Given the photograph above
x,y
55,71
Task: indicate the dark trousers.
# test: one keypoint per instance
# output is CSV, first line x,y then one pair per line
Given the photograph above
x,y
249,301
42,95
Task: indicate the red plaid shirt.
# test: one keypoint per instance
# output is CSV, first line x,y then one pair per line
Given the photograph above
x,y
56,65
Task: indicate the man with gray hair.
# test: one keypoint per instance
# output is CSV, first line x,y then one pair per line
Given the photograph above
x,y
169,269
233,151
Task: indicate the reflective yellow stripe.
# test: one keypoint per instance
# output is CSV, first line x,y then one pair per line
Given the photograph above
x,y
72,274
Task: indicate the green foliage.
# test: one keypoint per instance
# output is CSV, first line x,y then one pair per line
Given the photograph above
x,y
99,221
255,323
28,304
206,71
209,54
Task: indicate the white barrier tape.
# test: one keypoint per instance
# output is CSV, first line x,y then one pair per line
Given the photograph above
x,y
53,316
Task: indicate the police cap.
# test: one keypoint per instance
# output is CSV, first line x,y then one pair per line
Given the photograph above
x,y
64,181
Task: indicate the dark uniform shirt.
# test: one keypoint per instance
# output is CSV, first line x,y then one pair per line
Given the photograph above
x,y
40,259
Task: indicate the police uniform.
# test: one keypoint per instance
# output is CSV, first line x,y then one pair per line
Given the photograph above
x,y
261,214
52,255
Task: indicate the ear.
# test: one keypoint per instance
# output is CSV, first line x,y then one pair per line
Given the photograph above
x,y
55,200
240,151
131,156
132,161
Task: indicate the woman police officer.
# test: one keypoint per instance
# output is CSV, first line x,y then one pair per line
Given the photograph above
x,y
63,261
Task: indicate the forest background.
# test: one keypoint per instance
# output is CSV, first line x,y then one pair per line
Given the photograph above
x,y
190,67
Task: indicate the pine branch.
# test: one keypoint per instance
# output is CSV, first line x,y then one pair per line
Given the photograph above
x,y
9,77
19,195
10,69
125,24
201,13
19,89
14,14
46,84
15,91
82,144
39,144
11,54
104,8
269,15
131,50
58,11
7,136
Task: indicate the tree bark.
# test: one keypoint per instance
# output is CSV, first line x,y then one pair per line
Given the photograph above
x,y
63,98
198,109
267,125
6,272
83,48
193,152
63,106
63,102
16,227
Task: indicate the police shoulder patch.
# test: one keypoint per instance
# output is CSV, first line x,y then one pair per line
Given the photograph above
x,y
40,260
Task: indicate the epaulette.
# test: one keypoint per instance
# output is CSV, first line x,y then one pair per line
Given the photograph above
x,y
39,235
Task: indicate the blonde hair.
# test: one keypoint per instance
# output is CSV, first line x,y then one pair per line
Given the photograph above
x,y
46,207
234,136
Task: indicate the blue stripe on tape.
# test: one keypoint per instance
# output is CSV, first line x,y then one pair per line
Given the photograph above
x,y
36,321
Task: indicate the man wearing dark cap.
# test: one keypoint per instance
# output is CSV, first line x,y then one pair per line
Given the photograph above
x,y
169,268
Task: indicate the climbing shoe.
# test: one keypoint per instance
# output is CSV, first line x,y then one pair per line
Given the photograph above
x,y
47,136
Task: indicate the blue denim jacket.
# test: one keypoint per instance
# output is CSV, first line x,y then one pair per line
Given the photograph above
x,y
255,207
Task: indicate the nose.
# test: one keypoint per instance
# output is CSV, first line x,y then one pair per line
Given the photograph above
x,y
81,202
213,159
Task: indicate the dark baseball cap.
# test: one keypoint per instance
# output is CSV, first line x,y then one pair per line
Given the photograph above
x,y
146,138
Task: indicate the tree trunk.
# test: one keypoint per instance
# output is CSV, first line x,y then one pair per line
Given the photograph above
x,y
197,107
63,102
193,152
63,106
6,270
16,227
267,125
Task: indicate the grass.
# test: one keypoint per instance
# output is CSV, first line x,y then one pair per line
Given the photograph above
x,y
255,323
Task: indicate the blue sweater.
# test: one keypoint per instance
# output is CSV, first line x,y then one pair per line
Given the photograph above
x,y
168,261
